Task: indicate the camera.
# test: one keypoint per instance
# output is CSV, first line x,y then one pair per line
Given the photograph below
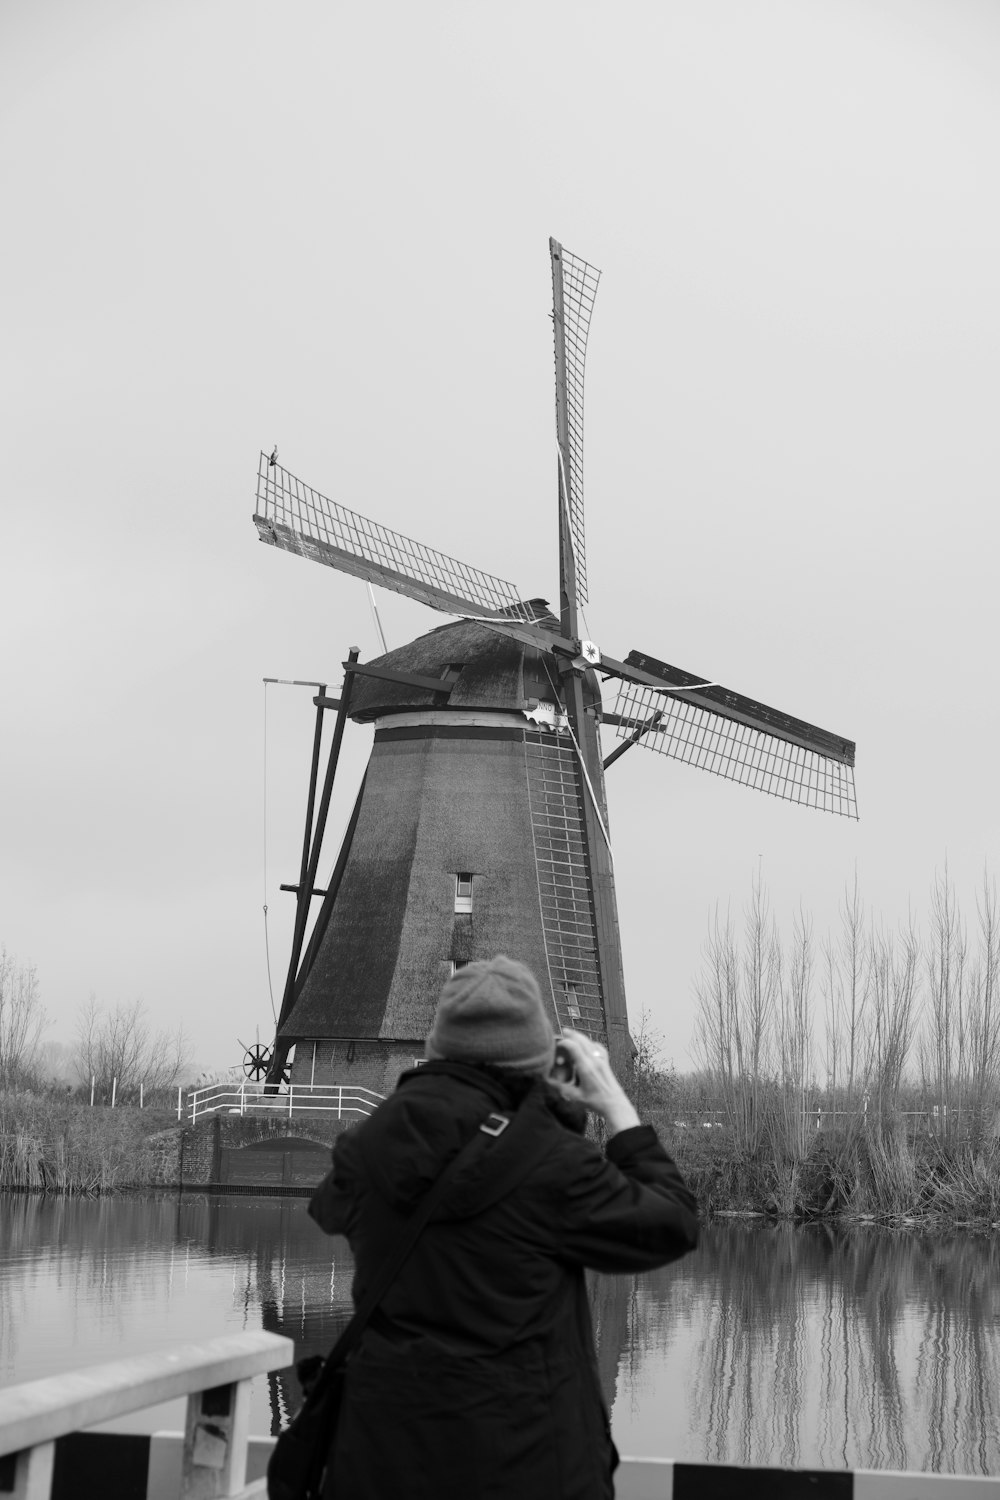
x,y
564,1068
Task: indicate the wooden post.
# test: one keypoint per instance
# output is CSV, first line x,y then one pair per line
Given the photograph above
x,y
311,798
307,883
178,1102
114,1090
32,1478
35,1414
215,1442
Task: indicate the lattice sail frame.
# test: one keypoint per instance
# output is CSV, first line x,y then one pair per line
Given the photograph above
x,y
565,883
579,290
295,517
737,752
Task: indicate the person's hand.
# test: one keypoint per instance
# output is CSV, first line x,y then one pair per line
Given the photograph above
x,y
593,1084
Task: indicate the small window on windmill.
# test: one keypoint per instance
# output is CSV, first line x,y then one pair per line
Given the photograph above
x,y
463,891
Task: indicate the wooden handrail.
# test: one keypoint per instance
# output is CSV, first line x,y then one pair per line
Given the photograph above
x,y
214,1375
41,1410
210,1457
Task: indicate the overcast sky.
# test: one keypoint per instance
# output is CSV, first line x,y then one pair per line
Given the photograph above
x,y
324,225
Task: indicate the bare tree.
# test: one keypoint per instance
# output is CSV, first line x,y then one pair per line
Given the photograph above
x,y
985,1040
652,1084
795,1035
737,999
717,994
21,1020
855,957
960,1052
119,1051
894,966
943,1053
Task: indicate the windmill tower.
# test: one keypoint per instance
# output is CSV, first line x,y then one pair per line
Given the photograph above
x,y
481,825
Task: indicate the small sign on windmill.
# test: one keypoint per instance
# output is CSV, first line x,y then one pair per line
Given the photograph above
x,y
481,824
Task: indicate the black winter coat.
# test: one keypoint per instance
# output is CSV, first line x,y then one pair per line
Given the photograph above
x,y
477,1378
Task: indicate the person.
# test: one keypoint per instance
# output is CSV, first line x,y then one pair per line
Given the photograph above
x,y
477,1376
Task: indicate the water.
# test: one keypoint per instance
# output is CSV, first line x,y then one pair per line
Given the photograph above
x,y
771,1344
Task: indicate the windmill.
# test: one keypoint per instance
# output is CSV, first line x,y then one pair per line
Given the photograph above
x,y
481,825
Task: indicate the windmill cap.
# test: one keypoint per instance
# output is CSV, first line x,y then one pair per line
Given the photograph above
x,y
492,1012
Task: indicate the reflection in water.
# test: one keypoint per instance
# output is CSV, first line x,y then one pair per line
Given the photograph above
x,y
87,1280
775,1345
298,1278
822,1347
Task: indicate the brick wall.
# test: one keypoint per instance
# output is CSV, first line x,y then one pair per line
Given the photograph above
x,y
371,1065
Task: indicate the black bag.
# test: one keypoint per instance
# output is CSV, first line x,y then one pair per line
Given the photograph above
x,y
297,1467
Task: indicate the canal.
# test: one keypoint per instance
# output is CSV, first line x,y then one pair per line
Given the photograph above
x,y
772,1344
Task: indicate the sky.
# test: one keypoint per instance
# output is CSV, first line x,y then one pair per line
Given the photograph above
x,y
230,224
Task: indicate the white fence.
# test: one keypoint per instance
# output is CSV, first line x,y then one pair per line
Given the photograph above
x,y
336,1099
933,1121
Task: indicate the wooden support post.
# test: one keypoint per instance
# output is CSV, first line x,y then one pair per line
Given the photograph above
x,y
313,777
308,879
34,1415
215,1442
634,738
28,1475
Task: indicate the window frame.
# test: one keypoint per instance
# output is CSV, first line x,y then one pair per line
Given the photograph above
x,y
463,898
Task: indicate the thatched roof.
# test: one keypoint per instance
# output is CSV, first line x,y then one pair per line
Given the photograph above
x,y
497,674
436,801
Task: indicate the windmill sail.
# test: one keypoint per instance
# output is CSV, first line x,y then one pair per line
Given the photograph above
x,y
574,288
565,883
293,516
735,737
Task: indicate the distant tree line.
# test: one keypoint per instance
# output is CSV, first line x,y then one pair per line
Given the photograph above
x,y
115,1052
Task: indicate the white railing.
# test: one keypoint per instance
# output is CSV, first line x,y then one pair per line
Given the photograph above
x,y
215,1376
331,1099
933,1121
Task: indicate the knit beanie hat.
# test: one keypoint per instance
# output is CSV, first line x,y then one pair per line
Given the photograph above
x,y
492,1011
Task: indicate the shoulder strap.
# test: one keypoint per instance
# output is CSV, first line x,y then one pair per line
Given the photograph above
x,y
516,1170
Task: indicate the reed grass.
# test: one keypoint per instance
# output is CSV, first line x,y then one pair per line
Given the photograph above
x,y
883,1177
62,1145
905,1037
